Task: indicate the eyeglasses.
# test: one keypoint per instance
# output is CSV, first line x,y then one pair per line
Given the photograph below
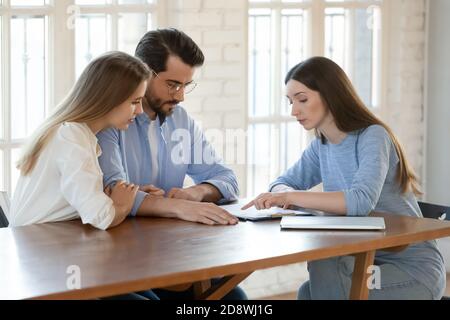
x,y
174,88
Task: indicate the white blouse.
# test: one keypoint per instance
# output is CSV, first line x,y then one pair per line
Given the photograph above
x,y
65,184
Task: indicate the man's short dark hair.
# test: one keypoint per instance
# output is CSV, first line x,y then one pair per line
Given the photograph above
x,y
157,45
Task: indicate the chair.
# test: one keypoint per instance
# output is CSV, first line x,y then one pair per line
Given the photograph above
x,y
434,211
4,209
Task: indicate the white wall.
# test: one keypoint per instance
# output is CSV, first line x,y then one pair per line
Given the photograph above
x,y
405,67
438,108
219,27
438,111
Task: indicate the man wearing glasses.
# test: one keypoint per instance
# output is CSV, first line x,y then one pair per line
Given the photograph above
x,y
163,144
148,153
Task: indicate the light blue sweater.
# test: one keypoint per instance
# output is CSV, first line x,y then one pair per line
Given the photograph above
x,y
363,166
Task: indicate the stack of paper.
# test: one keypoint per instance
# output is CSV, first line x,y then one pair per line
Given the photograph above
x,y
253,214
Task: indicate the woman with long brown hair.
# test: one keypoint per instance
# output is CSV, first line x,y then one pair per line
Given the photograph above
x,y
363,168
60,175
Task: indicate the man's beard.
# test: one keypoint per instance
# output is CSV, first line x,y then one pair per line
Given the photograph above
x,y
156,105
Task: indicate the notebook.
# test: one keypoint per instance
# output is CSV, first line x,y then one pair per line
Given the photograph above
x,y
252,214
333,223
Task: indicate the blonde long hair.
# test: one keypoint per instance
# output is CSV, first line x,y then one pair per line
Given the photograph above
x,y
349,112
105,83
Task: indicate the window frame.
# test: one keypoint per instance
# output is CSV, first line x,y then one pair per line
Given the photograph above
x,y
7,144
60,49
314,46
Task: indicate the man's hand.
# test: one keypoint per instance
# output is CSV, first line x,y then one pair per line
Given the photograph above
x,y
203,212
152,190
191,194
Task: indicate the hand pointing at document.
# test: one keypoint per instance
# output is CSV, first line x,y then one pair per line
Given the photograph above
x,y
269,200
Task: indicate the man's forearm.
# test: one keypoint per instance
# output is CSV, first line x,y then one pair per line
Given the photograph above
x,y
156,206
209,192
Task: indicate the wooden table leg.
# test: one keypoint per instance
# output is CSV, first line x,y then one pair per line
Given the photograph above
x,y
221,289
201,287
360,289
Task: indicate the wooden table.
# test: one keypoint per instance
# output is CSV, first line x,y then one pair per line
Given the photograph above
x,y
146,253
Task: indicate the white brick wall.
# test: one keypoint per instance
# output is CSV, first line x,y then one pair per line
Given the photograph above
x,y
219,27
405,79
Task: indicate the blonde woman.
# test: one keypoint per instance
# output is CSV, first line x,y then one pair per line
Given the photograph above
x,y
60,176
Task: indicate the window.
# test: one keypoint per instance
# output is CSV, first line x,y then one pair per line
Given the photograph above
x,y
101,26
24,80
283,33
45,44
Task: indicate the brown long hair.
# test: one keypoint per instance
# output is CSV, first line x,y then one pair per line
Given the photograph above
x,y
348,110
105,83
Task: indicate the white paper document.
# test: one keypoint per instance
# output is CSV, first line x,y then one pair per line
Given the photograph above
x,y
253,214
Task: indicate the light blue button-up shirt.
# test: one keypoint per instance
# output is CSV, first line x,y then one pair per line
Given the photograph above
x,y
182,150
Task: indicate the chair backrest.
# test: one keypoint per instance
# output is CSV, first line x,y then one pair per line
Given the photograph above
x,y
434,211
4,209
3,220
